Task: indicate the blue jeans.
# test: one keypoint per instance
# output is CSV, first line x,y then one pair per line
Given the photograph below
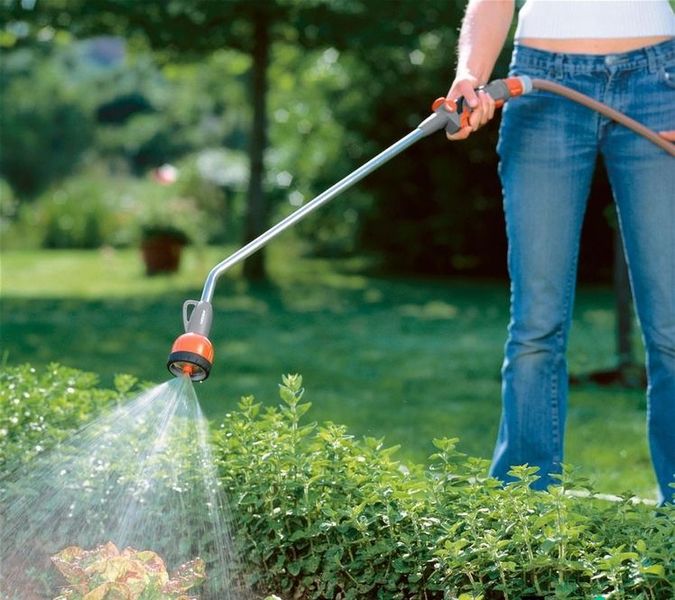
x,y
548,148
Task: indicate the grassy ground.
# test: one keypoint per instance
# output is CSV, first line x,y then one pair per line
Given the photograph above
x,y
409,360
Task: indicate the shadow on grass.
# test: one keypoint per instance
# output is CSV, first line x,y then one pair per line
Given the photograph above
x,y
401,359
376,354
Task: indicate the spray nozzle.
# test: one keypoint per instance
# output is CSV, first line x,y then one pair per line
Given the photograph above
x,y
192,352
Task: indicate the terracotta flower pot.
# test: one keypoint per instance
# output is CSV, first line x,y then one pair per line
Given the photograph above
x,y
162,252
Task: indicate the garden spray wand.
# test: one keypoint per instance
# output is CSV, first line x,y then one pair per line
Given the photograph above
x,y
192,352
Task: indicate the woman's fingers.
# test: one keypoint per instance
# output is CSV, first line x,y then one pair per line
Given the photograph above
x,y
462,134
480,103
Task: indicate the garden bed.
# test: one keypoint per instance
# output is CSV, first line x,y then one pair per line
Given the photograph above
x,y
320,514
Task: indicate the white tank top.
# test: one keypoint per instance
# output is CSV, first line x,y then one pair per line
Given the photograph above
x,y
574,19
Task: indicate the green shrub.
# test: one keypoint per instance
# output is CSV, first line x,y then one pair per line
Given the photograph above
x,y
8,204
320,514
79,213
46,119
92,209
323,515
41,407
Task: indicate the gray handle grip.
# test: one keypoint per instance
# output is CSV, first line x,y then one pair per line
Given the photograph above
x,y
452,116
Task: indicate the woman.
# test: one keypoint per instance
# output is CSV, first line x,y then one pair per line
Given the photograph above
x,y
621,53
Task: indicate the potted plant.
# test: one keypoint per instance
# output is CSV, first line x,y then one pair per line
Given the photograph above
x,y
168,222
106,573
162,246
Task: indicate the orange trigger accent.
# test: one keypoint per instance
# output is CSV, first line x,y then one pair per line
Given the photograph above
x,y
499,103
464,118
450,105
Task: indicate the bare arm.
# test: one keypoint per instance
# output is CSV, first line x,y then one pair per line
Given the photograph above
x,y
484,29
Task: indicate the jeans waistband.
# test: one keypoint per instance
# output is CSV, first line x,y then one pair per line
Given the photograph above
x,y
650,57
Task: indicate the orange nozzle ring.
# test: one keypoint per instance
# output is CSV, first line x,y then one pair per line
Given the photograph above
x,y
191,355
515,86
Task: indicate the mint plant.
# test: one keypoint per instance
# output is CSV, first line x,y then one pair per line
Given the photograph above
x,y
323,515
318,513
41,407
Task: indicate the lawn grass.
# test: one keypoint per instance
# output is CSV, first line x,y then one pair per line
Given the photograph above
x,y
408,360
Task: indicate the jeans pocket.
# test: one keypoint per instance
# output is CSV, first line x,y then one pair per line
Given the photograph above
x,y
667,75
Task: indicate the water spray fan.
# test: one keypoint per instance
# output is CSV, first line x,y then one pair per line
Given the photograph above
x,y
192,352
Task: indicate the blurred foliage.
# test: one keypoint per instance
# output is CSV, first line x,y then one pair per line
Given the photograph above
x,y
45,120
8,208
80,212
168,110
345,80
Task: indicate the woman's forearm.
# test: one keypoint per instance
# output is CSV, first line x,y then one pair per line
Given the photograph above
x,y
484,29
481,38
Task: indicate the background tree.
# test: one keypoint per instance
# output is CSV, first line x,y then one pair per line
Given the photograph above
x,y
434,210
190,29
44,132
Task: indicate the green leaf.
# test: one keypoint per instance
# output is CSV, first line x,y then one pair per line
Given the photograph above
x,y
124,383
302,409
446,444
657,570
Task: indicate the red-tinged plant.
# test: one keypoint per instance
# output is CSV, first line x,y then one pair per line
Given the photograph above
x,y
108,574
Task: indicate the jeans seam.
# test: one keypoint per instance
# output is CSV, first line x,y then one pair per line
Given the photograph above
x,y
555,421
560,356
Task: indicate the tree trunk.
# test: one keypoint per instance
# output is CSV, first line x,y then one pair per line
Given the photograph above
x,y
257,209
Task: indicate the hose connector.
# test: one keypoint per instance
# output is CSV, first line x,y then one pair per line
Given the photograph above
x,y
192,352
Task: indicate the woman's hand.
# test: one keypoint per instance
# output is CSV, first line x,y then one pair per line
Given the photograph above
x,y
480,102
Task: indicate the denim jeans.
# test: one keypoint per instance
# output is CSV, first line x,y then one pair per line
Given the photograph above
x,y
548,148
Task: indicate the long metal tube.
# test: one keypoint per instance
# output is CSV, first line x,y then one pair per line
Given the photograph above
x,y
436,121
192,353
320,200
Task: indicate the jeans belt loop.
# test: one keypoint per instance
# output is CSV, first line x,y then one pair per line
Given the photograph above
x,y
652,59
558,65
